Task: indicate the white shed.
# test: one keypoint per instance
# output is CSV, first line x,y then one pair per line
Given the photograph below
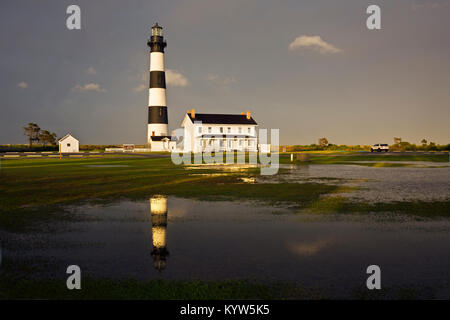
x,y
68,144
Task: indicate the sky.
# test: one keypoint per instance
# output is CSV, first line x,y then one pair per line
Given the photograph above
x,y
311,69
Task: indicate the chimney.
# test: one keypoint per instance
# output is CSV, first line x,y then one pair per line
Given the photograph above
x,y
193,113
242,113
188,111
249,114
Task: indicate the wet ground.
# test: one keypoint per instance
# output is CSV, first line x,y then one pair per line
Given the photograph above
x,y
382,184
174,238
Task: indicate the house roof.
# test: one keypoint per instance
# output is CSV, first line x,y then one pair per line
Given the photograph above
x,y
215,118
66,136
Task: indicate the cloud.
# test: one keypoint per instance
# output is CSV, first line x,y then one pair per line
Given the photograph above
x,y
315,43
223,81
22,85
91,70
140,88
176,79
89,87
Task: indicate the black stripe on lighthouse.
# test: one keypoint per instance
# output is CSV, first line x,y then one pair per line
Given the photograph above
x,y
157,115
156,44
157,79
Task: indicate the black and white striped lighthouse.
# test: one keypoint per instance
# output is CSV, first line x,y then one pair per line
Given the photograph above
x,y
157,107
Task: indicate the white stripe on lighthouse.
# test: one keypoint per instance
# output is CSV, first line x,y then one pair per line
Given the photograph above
x,y
159,129
156,61
157,97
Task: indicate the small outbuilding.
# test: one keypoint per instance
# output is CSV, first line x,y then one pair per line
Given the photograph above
x,y
68,144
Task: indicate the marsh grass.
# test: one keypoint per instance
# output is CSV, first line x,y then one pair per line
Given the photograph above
x,y
37,190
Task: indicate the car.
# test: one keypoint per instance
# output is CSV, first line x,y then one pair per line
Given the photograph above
x,y
379,147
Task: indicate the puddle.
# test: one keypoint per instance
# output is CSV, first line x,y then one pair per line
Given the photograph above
x,y
173,238
418,164
376,184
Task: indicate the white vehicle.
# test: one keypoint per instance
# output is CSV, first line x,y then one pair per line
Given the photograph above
x,y
379,147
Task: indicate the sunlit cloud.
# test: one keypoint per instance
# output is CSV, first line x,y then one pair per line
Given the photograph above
x,y
176,79
89,87
22,85
314,43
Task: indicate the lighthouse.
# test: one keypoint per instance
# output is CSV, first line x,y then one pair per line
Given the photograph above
x,y
157,128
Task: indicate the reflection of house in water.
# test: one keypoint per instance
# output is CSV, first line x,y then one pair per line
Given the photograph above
x,y
158,209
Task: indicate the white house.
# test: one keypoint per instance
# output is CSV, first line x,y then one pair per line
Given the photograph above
x,y
68,144
219,132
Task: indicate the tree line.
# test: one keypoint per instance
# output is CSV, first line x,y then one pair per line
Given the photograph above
x,y
35,134
398,145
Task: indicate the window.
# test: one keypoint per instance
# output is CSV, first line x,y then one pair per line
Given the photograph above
x,y
249,130
240,129
68,144
153,133
209,129
199,129
160,112
229,129
240,143
230,144
250,143
221,129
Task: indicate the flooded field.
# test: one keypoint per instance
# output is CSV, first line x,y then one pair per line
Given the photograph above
x,y
174,238
375,184
170,237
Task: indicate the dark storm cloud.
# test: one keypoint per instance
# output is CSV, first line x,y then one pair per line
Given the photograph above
x,y
229,56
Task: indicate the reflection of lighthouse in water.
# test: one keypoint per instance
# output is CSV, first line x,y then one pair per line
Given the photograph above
x,y
158,209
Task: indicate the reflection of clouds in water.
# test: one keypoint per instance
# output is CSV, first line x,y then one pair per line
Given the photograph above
x,y
310,248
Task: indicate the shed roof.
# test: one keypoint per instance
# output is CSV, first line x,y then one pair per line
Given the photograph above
x,y
67,136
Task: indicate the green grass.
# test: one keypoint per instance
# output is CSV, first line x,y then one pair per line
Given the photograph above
x,y
92,289
13,288
341,205
36,190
